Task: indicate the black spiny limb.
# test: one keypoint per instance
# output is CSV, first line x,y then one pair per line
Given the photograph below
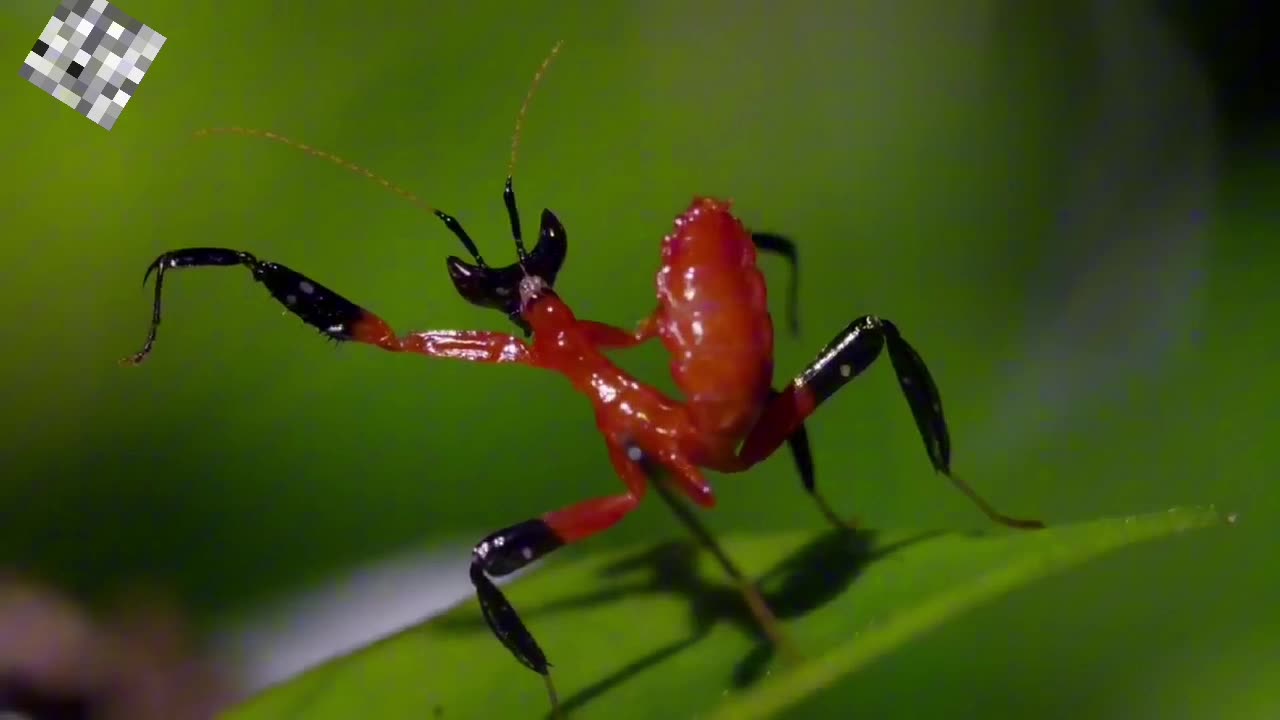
x,y
851,352
318,306
855,349
502,553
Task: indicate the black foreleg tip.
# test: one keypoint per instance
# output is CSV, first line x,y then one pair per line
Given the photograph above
x,y
154,266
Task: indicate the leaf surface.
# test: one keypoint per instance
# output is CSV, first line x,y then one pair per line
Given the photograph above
x,y
659,632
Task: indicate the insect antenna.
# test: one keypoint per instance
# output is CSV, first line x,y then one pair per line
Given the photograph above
x,y
449,221
508,193
323,155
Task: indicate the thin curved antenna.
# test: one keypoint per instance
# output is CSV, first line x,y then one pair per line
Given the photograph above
x,y
524,107
454,226
508,193
323,155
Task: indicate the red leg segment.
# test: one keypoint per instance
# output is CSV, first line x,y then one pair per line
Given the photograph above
x,y
782,417
581,521
610,337
470,345
688,478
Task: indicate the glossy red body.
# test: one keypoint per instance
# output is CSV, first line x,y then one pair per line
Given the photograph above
x,y
713,319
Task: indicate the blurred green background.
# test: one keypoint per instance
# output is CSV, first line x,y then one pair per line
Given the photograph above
x,y
1046,198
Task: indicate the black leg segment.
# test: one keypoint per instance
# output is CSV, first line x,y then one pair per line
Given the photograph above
x,y
502,553
318,306
852,352
505,552
779,245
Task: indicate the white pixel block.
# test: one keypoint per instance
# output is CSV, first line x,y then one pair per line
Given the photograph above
x,y
87,55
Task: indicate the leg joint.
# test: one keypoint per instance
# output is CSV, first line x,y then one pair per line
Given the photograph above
x,y
510,549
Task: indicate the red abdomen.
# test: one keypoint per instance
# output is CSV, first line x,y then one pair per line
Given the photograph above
x,y
714,319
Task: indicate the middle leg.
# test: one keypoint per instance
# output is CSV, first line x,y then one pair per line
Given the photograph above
x,y
514,547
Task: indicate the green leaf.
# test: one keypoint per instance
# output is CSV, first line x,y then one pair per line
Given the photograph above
x,y
658,632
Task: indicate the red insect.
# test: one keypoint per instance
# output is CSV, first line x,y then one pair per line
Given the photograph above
x,y
712,317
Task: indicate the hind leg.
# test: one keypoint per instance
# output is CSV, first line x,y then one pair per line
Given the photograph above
x,y
514,547
845,357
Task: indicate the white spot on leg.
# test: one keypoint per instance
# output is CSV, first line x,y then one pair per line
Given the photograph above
x,y
846,370
527,552
290,299
635,453
306,287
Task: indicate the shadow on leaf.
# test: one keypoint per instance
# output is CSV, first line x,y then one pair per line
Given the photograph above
x,y
814,575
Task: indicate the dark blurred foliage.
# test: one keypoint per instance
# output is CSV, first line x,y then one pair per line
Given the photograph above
x,y
1235,40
